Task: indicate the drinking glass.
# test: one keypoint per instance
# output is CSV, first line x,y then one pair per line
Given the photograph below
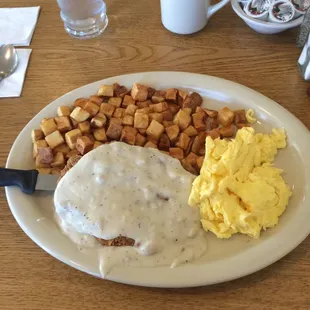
x,y
83,19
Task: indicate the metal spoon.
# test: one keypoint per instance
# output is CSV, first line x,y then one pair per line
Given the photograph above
x,y
8,60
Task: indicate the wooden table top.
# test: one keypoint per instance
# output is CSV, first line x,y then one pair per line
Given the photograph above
x,y
136,41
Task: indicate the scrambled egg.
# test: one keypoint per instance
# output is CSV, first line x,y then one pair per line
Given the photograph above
x,y
238,190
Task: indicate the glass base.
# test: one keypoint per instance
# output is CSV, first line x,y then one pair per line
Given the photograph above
x,y
87,29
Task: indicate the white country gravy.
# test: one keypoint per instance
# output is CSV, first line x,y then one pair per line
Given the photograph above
x,y
136,192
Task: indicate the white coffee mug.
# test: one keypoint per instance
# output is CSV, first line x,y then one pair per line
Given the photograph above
x,y
187,16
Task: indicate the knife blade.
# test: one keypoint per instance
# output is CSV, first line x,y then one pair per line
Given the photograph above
x,y
27,180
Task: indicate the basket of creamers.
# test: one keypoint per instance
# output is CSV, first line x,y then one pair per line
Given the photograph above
x,y
271,16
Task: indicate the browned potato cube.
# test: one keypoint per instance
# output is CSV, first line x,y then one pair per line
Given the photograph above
x,y
63,123
225,116
183,141
155,129
80,102
150,144
142,131
106,91
164,142
212,123
191,158
159,96
55,170
167,123
90,136
167,115
189,148
131,110
100,135
143,104
141,121
63,148
116,121
114,131
41,165
200,161
172,132
116,102
159,107
84,127
174,108
199,142
157,117
96,144
48,126
92,108
96,99
84,144
64,111
45,170
192,101
150,92
140,140
191,131
182,119
176,152
54,139
74,123
146,110
199,121
240,116
36,145
72,153
128,100
120,91
79,115
183,94
187,166
107,109
45,155
187,111
139,92
37,134
98,121
128,137
130,129
118,113
211,113
59,160
71,137
241,125
226,131
171,94
127,120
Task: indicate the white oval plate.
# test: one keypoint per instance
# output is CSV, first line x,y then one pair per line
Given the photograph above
x,y
225,259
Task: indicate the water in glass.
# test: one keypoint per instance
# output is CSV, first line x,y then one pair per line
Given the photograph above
x,y
83,18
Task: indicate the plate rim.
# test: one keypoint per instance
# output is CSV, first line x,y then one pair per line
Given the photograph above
x,y
192,76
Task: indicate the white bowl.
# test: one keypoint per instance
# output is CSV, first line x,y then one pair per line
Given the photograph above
x,y
262,26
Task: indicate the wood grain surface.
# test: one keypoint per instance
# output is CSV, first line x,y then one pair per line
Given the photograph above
x,y
136,41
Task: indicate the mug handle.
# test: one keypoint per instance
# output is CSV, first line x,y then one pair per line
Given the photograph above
x,y
215,7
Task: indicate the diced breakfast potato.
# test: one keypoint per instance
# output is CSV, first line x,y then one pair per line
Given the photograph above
x,y
183,94
54,139
106,91
120,91
213,123
183,141
141,121
140,140
128,100
79,115
225,116
71,137
116,102
191,131
182,119
130,129
211,113
139,92
80,102
157,117
74,123
54,171
200,161
72,153
164,142
41,165
59,160
63,148
176,152
150,144
96,99
96,144
128,137
48,126
114,131
159,96
143,104
167,115
227,131
100,135
116,121
37,134
199,142
171,94
92,108
36,145
84,127
159,107
131,109
155,130
84,144
187,166
199,121
107,109
118,113
191,158
240,116
45,155
146,110
44,170
214,134
98,121
174,108
63,123
172,132
127,120
187,111
193,101
167,123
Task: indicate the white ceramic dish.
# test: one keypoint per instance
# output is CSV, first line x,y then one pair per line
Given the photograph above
x,y
225,259
264,27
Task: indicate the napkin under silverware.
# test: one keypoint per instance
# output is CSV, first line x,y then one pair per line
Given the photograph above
x,y
12,86
17,25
